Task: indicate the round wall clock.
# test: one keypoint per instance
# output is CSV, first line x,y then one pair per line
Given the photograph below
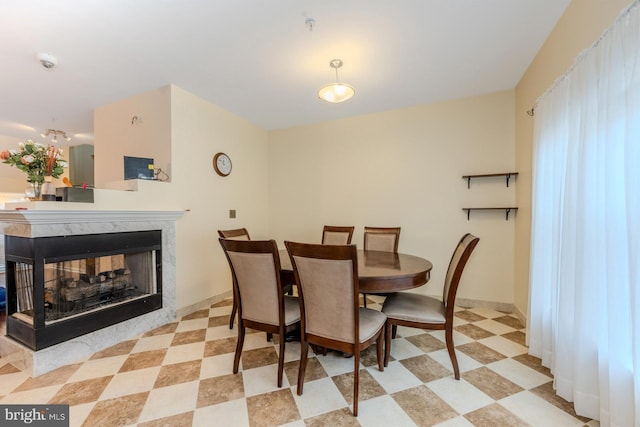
x,y
222,164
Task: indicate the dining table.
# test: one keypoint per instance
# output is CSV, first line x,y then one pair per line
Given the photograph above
x,y
378,272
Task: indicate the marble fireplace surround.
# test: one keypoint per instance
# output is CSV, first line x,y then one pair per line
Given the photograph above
x,y
45,223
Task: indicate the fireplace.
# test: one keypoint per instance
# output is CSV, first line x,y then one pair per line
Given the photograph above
x,y
63,287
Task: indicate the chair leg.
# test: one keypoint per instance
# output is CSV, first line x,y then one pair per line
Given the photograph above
x,y
304,350
364,298
452,351
239,344
356,379
319,350
395,331
379,345
234,309
269,336
387,342
281,358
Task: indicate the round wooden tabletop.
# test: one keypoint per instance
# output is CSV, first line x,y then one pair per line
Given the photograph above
x,y
382,272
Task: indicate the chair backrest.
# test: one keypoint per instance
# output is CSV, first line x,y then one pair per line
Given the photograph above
x,y
335,235
236,234
459,259
327,279
383,239
255,265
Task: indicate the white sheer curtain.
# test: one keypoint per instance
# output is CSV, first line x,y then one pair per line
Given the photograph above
x,y
584,305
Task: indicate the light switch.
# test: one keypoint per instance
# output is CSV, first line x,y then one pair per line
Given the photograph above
x,y
232,213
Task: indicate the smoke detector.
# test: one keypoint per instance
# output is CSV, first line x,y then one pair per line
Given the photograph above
x,y
47,60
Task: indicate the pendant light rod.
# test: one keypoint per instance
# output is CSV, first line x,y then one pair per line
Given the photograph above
x,y
335,64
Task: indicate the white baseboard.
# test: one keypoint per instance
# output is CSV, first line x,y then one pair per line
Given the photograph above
x,y
461,302
498,306
183,311
521,317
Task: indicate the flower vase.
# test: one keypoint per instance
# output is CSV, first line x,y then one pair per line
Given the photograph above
x,y
33,191
48,190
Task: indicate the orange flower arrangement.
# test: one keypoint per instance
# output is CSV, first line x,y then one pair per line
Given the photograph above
x,y
36,160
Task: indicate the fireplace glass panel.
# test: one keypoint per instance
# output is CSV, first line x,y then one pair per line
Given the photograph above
x,y
62,287
80,286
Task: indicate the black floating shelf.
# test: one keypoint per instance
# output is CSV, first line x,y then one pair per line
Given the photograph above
x,y
508,176
507,210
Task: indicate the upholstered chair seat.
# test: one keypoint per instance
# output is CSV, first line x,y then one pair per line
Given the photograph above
x,y
243,234
424,312
370,323
327,281
415,308
234,234
262,305
291,310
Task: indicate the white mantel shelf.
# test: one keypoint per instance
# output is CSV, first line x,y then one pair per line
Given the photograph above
x,y
38,216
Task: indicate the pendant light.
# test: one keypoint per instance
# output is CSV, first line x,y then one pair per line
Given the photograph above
x,y
55,133
336,92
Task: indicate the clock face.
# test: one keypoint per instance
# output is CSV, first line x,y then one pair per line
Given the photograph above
x,y
222,164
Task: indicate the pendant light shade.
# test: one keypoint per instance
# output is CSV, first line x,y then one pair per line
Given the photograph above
x,y
336,92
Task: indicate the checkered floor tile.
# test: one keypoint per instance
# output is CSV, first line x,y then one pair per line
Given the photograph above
x,y
181,375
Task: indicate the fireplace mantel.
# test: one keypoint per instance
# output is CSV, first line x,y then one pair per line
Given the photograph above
x,y
66,216
13,220
62,220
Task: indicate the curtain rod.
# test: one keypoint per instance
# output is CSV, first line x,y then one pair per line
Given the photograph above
x,y
625,11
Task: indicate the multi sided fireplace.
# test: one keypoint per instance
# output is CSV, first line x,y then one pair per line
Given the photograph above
x,y
62,287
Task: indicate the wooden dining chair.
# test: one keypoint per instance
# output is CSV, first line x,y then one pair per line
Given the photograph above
x,y
424,312
235,234
384,239
327,280
262,305
336,235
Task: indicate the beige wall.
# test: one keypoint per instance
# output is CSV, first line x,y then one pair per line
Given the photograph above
x,y
116,136
200,130
581,25
193,130
401,167
405,168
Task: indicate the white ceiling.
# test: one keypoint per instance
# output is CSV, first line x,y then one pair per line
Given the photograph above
x,y
257,58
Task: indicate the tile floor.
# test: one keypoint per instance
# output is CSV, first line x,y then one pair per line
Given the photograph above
x,y
180,375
